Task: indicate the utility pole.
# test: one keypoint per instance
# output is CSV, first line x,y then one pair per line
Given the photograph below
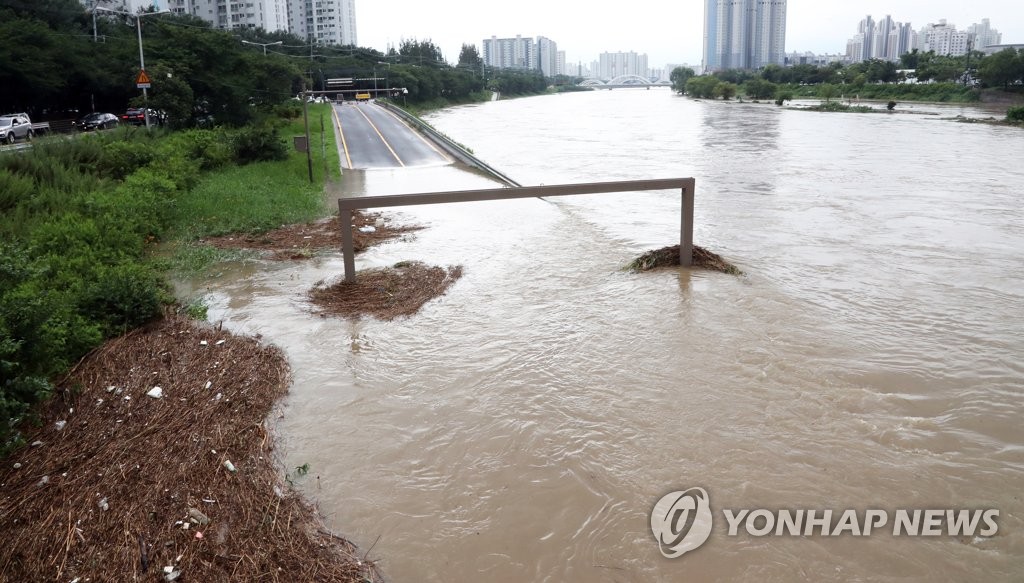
x,y
305,121
142,58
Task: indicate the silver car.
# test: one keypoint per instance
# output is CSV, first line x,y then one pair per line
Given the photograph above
x,y
14,127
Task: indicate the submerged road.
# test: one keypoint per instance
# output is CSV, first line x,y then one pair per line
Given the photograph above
x,y
372,137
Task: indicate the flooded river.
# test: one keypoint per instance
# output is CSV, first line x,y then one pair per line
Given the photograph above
x,y
522,427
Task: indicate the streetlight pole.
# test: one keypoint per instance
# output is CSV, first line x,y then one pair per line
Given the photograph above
x,y
387,76
142,58
264,45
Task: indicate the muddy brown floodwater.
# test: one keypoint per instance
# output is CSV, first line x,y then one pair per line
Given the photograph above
x,y
522,426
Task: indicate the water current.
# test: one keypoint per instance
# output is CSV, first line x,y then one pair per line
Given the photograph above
x,y
522,427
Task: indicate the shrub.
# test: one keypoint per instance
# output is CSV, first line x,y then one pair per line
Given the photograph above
x,y
209,147
1015,114
290,110
14,189
256,144
122,157
123,297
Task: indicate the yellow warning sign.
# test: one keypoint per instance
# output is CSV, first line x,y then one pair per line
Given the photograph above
x,y
142,81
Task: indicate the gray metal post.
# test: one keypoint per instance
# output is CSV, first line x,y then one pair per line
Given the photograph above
x,y
347,246
686,227
142,66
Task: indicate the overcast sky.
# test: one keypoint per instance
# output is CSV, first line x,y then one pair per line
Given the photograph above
x,y
668,31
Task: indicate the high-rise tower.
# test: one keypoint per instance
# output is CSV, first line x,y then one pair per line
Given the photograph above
x,y
744,34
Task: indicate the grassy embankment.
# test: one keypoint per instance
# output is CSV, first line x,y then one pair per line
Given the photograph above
x,y
91,228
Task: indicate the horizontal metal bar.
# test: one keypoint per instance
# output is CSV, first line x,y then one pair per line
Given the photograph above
x,y
366,202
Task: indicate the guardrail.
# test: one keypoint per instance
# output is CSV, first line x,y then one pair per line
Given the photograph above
x,y
347,205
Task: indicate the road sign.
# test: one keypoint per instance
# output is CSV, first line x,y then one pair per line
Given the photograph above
x,y
142,81
340,81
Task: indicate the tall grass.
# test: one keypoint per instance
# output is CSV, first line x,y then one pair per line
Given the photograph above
x,y
263,195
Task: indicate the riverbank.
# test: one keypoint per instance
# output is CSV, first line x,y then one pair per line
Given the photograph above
x,y
155,459
152,457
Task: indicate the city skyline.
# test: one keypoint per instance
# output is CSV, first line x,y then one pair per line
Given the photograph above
x,y
666,32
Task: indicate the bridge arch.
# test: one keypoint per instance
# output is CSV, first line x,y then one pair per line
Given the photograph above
x,y
630,80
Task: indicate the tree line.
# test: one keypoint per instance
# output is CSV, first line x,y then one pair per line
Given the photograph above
x,y
58,61
1002,70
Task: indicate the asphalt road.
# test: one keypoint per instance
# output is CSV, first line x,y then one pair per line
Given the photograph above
x,y
373,137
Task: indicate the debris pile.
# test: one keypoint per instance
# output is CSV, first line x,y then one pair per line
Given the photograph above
x,y
386,293
302,241
154,463
669,256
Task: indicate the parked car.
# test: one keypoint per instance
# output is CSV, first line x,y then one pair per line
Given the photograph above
x,y
97,121
137,116
15,126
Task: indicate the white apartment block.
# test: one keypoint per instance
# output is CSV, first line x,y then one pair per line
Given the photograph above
x,y
984,35
744,34
329,22
547,56
885,39
127,5
612,65
943,38
269,15
510,53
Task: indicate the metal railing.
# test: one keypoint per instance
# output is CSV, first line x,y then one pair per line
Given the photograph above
x,y
347,205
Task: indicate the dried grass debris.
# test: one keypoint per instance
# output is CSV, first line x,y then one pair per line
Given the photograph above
x,y
130,486
302,241
386,293
669,256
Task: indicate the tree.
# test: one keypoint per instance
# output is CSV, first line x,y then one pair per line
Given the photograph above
x,y
725,90
910,60
421,52
773,73
759,89
679,77
879,71
470,58
1002,68
827,91
702,87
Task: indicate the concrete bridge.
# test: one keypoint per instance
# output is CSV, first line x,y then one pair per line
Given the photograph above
x,y
624,82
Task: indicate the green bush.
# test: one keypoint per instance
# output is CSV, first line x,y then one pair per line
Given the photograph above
x,y
289,110
1015,114
255,144
122,157
14,189
123,297
209,147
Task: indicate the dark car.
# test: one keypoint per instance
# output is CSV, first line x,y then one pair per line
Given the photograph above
x,y
97,121
137,116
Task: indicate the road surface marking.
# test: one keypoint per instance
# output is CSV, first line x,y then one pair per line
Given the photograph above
x,y
420,136
386,144
341,133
